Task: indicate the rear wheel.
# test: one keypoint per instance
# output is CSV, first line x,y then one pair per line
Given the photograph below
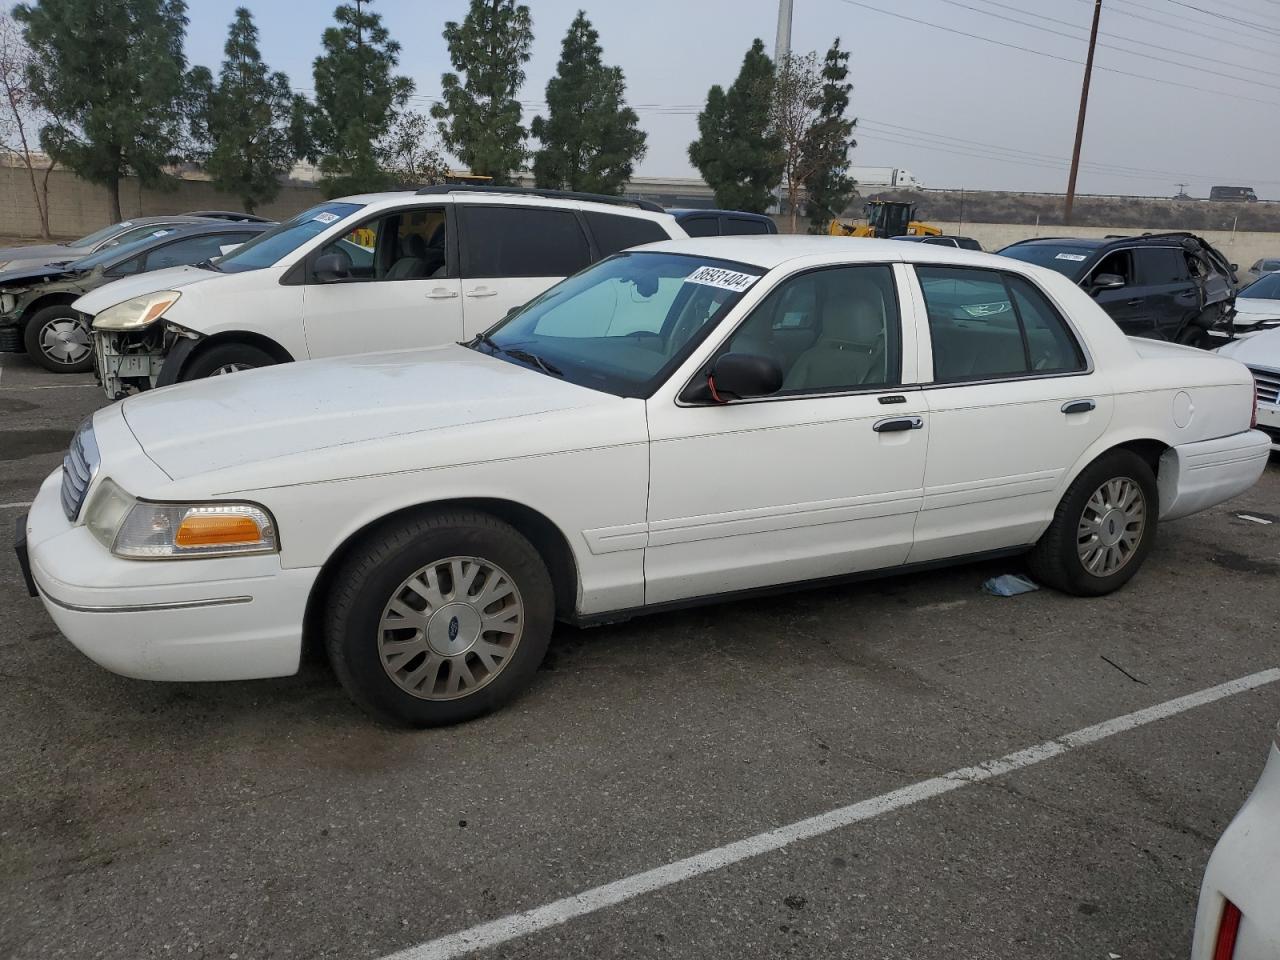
x,y
225,358
1193,335
59,339
440,619
1103,528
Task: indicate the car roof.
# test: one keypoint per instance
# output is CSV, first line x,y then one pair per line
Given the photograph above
x,y
477,195
1089,242
681,212
771,250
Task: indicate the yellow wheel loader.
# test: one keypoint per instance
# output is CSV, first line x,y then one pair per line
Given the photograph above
x,y
886,218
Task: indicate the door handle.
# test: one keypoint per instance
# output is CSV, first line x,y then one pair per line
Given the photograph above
x,y
442,294
1135,302
1078,406
896,424
482,292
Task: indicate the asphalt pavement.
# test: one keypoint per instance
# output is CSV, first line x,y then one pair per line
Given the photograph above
x,y
272,819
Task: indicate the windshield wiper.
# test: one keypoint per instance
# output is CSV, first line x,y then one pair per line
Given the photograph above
x,y
517,354
207,264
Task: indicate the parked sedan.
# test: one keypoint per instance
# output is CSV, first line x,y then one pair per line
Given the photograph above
x,y
1239,914
1257,309
686,422
1260,269
13,258
1261,354
36,304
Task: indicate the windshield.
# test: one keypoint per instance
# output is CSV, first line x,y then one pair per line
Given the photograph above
x,y
106,233
117,251
1267,288
1066,259
281,240
622,325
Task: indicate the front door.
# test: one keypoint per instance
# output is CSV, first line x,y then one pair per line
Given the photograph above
x,y
1013,407
822,479
1128,304
511,253
401,289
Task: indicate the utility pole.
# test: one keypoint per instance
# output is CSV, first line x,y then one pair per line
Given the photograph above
x,y
782,43
1084,104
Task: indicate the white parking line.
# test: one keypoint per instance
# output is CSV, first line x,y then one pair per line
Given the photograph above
x,y
15,506
53,386
505,929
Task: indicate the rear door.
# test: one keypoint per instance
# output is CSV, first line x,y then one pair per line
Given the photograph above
x,y
1173,296
511,253
1013,405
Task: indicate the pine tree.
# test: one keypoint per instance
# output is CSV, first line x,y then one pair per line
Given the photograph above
x,y
111,74
242,123
736,153
590,139
357,100
479,119
830,140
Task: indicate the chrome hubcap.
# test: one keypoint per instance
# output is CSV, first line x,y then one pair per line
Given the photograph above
x,y
65,340
450,628
226,368
1111,526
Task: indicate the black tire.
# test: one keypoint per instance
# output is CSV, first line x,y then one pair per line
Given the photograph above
x,y
1055,559
374,573
213,361
1194,335
45,342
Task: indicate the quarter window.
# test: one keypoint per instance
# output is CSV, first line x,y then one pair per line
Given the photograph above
x,y
614,233
701,226
829,330
986,325
513,241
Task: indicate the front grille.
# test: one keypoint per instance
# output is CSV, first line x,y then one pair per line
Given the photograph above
x,y
1272,432
78,469
1268,382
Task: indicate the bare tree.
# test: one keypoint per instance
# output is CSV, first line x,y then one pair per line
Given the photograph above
x,y
796,102
21,117
409,152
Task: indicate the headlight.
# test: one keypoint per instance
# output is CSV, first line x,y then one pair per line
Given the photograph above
x,y
138,530
136,313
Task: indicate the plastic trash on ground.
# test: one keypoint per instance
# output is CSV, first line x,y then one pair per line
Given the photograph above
x,y
1010,585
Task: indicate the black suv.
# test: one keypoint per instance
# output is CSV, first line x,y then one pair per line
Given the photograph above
x,y
1165,286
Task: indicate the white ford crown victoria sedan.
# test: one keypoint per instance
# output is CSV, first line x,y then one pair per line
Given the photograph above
x,y
689,420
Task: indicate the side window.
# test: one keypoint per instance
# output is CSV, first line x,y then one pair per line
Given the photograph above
x,y
1051,345
517,241
1119,263
986,325
408,244
829,330
743,227
701,226
1161,265
614,233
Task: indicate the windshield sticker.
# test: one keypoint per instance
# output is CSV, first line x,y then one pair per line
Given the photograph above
x,y
326,218
1073,257
162,233
126,223
724,279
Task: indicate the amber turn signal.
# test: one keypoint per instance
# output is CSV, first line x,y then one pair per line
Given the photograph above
x,y
217,530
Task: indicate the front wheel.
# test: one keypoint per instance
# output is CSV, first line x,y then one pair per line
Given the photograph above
x,y
1103,529
58,338
439,619
225,358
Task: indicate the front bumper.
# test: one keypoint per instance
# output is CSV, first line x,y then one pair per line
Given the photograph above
x,y
1243,870
229,618
129,362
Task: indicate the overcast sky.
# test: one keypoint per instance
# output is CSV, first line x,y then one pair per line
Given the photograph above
x,y
956,110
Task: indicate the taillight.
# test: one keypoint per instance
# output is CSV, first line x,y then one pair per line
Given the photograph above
x,y
1253,418
1228,930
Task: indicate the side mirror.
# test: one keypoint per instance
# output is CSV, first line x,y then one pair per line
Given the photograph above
x,y
1107,281
1235,267
736,376
331,267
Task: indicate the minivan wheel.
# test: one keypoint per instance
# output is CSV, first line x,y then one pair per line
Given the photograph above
x,y
1103,529
439,618
59,339
225,358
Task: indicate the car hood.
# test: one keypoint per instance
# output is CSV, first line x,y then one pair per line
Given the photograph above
x,y
33,258
1262,350
349,416
118,291
1250,305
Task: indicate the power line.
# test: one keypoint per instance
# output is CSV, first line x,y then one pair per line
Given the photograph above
x,y
1053,56
1199,31
1227,17
1110,46
1266,20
